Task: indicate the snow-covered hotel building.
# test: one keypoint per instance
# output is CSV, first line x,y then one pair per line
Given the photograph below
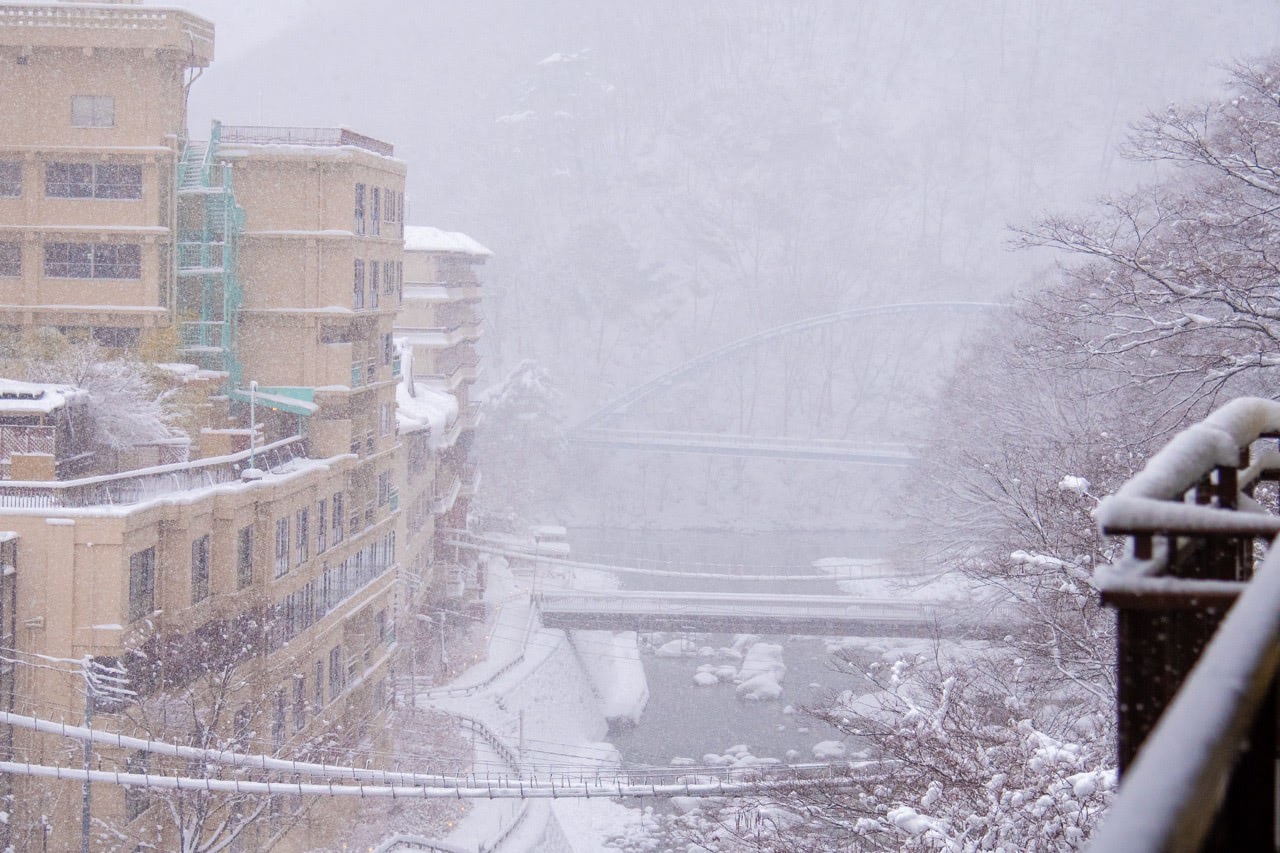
x,y
243,590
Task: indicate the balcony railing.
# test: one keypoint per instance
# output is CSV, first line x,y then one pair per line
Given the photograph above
x,y
444,499
308,136
1197,708
106,26
146,484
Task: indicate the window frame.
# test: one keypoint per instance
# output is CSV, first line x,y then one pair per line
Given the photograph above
x,y
200,559
142,581
283,547
80,261
244,557
10,259
66,179
101,111
10,179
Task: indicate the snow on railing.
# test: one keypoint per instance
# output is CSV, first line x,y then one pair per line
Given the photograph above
x,y
1214,458
734,604
131,487
1196,712
186,32
306,136
887,453
530,553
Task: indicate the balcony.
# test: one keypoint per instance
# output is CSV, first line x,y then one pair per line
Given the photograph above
x,y
115,27
470,480
146,484
311,137
449,486
1197,692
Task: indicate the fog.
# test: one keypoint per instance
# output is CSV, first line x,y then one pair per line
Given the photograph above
x,y
659,179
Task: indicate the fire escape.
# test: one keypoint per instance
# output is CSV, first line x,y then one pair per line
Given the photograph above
x,y
208,292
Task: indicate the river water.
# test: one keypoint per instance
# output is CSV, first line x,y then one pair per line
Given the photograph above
x,y
687,721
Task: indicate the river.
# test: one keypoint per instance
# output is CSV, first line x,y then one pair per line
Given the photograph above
x,y
687,721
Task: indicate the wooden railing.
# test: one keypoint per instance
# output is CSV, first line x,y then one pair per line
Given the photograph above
x,y
1196,703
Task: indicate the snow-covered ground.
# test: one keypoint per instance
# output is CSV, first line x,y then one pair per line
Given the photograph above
x,y
546,712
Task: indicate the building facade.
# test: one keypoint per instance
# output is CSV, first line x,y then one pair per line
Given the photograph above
x,y
247,598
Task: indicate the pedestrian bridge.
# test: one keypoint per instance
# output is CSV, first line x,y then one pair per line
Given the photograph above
x,y
713,612
728,444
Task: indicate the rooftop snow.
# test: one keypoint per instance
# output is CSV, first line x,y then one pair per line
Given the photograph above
x,y
423,238
35,397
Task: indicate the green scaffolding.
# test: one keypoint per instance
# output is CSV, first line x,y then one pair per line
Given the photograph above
x,y
208,292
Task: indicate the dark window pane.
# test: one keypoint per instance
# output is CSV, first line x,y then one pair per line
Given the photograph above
x,y
117,261
118,181
10,260
68,260
10,179
68,180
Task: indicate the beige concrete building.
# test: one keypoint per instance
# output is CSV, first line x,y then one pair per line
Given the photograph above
x,y
439,328
248,598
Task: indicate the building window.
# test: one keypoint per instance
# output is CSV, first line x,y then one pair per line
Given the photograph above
x,y
93,260
322,526
338,520
384,488
10,260
358,290
335,672
93,180
93,111
200,569
277,720
373,284
303,536
388,348
375,209
387,416
10,179
299,702
282,546
116,337
142,583
380,625
359,208
244,557
319,685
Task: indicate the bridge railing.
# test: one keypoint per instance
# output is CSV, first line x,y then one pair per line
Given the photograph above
x,y
1196,704
821,606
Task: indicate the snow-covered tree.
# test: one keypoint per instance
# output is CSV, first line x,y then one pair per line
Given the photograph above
x,y
521,445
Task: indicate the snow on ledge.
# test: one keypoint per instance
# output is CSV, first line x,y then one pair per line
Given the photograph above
x,y
1151,501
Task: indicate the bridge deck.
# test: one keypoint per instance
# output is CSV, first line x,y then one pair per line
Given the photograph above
x,y
767,614
725,444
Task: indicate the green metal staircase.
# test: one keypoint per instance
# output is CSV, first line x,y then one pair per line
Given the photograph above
x,y
208,291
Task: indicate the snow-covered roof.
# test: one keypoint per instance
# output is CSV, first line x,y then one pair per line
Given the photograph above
x,y
427,408
423,238
35,397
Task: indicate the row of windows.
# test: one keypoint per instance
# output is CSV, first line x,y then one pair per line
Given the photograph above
x,y
77,180
384,204
296,549
78,260
306,606
385,277
142,564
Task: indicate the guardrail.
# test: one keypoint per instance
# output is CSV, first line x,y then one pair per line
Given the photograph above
x,y
144,484
132,26
309,136
715,603
1197,694
676,441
